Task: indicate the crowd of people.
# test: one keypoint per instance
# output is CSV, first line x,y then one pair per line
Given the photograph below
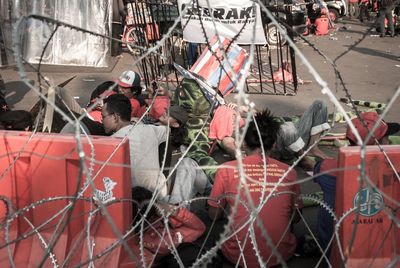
x,y
160,122
320,19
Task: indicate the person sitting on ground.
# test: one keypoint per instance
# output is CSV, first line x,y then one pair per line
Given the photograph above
x,y
294,138
158,99
16,120
327,181
91,123
274,215
101,92
191,97
129,85
189,179
222,125
183,225
144,141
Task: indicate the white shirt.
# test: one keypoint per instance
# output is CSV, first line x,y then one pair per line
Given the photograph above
x,y
145,167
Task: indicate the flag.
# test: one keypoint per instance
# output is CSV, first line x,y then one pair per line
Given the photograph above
x,y
217,72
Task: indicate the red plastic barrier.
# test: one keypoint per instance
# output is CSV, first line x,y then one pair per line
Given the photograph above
x,y
377,234
48,167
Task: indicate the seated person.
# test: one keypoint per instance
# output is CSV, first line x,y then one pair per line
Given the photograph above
x,y
144,141
183,226
101,92
94,113
189,178
222,126
274,215
293,138
191,97
91,123
327,181
158,100
16,120
129,85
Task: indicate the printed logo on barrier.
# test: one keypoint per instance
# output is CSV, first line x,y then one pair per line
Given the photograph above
x,y
107,195
371,202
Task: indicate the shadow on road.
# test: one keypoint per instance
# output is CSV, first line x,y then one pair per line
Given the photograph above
x,y
15,92
355,44
375,53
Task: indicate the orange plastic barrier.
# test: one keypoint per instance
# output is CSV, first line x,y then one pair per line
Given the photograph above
x,y
48,166
377,238
321,26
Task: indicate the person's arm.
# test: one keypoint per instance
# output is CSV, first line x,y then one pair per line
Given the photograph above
x,y
229,145
186,220
216,209
184,227
161,133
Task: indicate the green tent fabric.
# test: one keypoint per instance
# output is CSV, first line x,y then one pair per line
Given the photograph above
x,y
190,96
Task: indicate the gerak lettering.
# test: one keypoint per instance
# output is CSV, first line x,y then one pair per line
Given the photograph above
x,y
233,13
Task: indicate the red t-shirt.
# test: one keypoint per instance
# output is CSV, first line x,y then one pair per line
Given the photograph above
x,y
184,227
223,123
160,105
275,214
136,108
95,115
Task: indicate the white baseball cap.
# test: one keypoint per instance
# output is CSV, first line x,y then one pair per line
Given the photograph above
x,y
129,79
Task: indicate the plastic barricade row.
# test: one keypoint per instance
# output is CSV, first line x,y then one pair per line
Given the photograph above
x,y
48,166
377,236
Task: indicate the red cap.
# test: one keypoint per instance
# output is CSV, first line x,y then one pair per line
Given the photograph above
x,y
370,119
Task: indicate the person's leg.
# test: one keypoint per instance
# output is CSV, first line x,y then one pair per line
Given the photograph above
x,y
356,11
363,11
325,223
288,143
189,181
389,16
351,10
229,145
381,20
191,53
312,123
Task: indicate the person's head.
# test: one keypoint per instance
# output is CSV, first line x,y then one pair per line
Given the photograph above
x,y
176,117
116,113
16,120
100,92
370,119
141,196
129,84
268,127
